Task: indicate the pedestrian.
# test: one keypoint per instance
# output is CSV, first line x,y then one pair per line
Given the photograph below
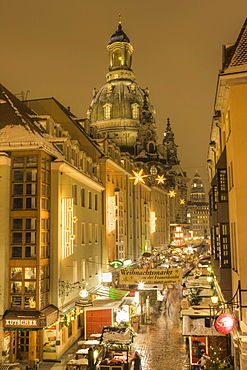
x,y
169,308
91,359
136,360
202,362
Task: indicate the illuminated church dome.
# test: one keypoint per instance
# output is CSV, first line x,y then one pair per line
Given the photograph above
x,y
120,107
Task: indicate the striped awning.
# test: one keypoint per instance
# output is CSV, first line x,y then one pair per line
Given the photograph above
x,y
104,291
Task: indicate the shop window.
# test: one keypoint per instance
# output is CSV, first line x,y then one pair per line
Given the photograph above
x,y
16,273
30,273
15,301
16,287
29,302
30,287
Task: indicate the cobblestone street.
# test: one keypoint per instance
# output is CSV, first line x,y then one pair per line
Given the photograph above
x,y
160,343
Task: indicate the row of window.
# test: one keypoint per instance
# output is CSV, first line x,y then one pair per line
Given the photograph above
x,y
135,110
88,269
88,199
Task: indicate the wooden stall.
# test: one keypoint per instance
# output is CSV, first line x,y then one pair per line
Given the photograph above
x,y
116,348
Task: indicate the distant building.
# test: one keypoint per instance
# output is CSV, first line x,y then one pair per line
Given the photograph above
x,y
227,171
198,211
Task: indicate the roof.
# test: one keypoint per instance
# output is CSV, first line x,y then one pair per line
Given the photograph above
x,y
14,112
236,55
119,35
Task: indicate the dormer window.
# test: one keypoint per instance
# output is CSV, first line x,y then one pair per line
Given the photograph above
x,y
135,110
107,111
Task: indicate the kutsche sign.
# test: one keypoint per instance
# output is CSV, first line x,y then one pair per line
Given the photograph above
x,y
225,323
150,276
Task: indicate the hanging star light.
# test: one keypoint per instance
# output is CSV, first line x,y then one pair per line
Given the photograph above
x,y
182,201
172,193
160,179
138,177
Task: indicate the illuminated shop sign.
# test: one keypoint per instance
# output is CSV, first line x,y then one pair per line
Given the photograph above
x,y
225,323
17,323
150,276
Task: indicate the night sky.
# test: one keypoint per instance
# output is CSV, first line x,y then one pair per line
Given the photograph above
x,y
58,48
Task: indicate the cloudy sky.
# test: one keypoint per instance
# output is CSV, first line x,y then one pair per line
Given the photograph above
x,y
58,48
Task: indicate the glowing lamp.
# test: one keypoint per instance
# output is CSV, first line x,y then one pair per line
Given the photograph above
x,y
83,293
160,179
172,193
141,286
225,323
138,177
209,279
214,299
116,264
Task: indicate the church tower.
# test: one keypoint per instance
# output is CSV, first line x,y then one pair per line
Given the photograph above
x,y
170,146
120,109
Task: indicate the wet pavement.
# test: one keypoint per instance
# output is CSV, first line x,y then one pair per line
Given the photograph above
x,y
160,343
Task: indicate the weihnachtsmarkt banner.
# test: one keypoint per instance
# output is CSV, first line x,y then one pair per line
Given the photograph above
x,y
150,276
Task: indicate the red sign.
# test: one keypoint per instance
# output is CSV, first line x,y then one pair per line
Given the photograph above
x,y
225,323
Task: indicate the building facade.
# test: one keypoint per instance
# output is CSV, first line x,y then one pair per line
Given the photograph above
x,y
226,168
77,195
198,212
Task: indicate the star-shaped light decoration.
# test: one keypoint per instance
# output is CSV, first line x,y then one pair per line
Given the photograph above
x,y
172,193
160,179
138,177
182,201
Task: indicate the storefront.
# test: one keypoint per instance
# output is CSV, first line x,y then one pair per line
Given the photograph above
x,y
24,334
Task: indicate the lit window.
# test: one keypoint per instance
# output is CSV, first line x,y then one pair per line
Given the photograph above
x,y
107,111
135,111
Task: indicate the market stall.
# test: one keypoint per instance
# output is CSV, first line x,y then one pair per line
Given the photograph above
x,y
116,347
81,364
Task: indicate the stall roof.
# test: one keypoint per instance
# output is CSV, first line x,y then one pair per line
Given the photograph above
x,y
108,292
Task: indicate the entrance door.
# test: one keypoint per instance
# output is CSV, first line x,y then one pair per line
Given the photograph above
x,y
23,345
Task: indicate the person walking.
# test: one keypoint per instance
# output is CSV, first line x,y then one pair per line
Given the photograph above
x,y
136,360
